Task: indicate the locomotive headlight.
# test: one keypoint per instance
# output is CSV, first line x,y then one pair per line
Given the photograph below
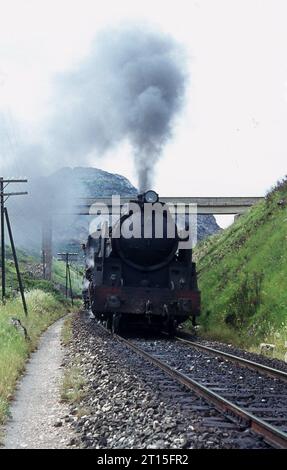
x,y
151,197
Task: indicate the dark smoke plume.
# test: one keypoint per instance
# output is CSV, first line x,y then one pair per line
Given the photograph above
x,y
131,86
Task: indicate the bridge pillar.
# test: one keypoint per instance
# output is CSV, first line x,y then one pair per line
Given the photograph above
x,y
47,252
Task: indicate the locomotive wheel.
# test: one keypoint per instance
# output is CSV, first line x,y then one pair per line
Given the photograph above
x,y
115,324
171,328
109,323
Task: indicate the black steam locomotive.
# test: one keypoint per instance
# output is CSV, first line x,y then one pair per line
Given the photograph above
x,y
133,275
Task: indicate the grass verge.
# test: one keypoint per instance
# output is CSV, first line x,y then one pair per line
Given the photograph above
x,y
73,385
67,331
73,388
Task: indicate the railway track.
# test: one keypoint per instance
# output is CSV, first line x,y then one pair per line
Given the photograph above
x,y
262,368
254,399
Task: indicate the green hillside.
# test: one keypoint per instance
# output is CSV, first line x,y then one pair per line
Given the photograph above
x,y
243,276
32,274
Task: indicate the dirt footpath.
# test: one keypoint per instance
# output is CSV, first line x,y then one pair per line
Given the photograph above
x,y
37,416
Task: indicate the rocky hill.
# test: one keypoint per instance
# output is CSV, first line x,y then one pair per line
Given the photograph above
x,y
91,182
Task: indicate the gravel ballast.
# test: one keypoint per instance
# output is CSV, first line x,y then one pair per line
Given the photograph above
x,y
128,403
260,358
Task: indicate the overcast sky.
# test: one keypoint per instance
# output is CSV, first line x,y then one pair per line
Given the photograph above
x,y
231,138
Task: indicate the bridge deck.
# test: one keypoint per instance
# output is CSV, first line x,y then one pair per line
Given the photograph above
x,y
205,205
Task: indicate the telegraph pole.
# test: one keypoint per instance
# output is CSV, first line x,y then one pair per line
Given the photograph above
x,y
16,261
66,257
4,196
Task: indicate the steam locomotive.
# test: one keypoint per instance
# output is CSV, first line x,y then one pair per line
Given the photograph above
x,y
140,277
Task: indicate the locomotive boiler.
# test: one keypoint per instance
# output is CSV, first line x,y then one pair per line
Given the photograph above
x,y
137,273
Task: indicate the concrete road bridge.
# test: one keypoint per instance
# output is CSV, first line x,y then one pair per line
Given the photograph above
x,y
205,205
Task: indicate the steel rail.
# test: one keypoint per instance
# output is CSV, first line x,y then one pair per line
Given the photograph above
x,y
270,371
271,434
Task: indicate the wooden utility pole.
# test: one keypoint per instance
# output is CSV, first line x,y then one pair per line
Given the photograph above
x,y
2,239
4,196
16,261
66,257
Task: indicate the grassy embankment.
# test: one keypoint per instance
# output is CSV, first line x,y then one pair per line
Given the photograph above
x,y
243,277
46,304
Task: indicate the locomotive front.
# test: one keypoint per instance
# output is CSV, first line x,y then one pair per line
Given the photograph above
x,y
139,275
